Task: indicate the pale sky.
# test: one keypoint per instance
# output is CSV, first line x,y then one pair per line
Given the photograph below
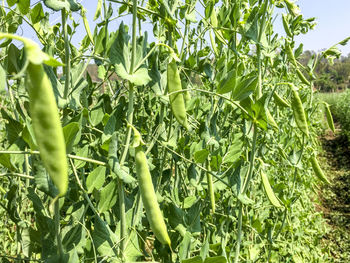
x,y
333,23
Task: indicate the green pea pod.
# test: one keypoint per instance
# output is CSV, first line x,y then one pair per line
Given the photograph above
x,y
271,120
47,126
280,101
86,25
290,54
286,26
213,44
302,78
329,118
176,95
269,191
299,113
149,198
318,171
211,188
214,22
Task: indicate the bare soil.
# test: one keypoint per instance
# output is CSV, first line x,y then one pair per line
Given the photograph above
x,y
335,198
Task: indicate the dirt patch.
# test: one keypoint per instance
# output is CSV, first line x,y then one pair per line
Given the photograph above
x,y
335,198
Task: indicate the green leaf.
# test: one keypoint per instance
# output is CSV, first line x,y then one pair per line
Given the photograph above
x,y
218,259
96,179
228,83
96,114
12,59
245,87
201,156
120,56
23,6
5,160
197,259
58,5
189,201
139,77
234,151
185,245
70,132
11,2
74,238
3,82
37,13
108,196
42,179
104,239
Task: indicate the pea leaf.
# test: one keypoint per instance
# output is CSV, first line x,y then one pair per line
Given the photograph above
x,y
120,56
56,5
197,259
96,179
70,132
201,156
108,196
218,259
23,6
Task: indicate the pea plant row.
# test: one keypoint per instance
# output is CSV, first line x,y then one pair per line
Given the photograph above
x,y
199,145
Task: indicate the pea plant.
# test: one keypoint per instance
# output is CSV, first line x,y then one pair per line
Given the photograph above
x,y
195,146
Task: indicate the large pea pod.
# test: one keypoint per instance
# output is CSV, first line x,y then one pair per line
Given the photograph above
x,y
149,198
176,95
290,54
47,126
299,113
269,191
286,26
302,77
329,117
318,171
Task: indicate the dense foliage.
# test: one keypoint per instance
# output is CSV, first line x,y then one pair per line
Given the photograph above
x,y
218,104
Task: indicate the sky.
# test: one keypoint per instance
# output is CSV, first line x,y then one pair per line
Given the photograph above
x,y
332,17
333,24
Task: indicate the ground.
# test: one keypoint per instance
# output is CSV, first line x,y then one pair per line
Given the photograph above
x,y
335,198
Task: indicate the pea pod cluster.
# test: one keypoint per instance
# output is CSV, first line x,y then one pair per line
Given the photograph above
x,y
47,126
149,198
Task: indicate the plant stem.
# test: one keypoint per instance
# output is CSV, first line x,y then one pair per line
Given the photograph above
x,y
57,227
239,233
123,227
81,158
66,55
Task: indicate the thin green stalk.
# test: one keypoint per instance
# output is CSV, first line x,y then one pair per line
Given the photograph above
x,y
258,49
66,55
57,228
239,233
123,227
251,161
184,39
85,159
